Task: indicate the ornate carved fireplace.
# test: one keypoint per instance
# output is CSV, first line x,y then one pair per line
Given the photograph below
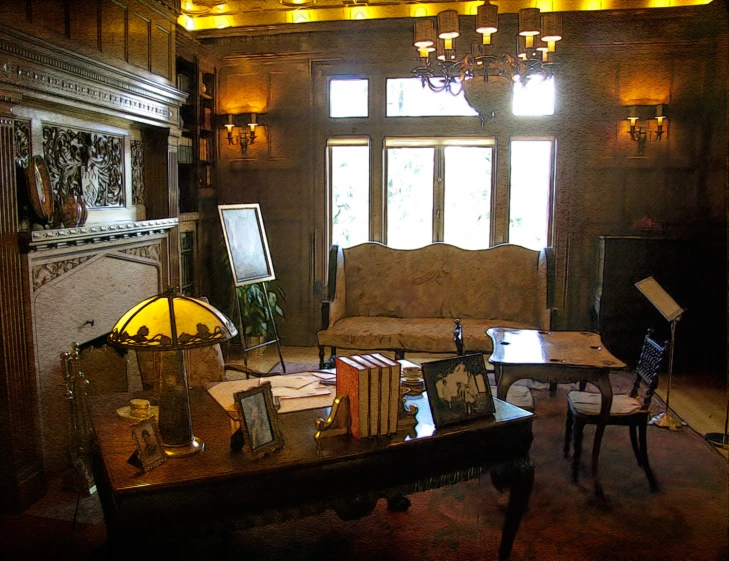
x,y
105,122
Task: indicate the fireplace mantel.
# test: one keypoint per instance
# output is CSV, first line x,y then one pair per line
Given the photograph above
x,y
61,237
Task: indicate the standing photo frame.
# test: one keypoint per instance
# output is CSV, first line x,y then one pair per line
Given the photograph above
x,y
150,450
458,389
246,242
258,421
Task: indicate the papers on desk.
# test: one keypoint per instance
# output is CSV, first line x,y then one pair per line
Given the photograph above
x,y
296,391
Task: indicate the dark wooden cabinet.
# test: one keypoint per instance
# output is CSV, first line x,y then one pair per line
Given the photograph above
x,y
691,271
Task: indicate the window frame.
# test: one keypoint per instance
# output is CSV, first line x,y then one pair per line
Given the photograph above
x,y
333,142
551,219
438,143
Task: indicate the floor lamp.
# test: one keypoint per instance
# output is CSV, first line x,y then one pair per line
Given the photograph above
x,y
670,310
169,324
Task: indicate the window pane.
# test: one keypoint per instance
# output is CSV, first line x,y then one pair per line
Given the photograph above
x,y
467,207
350,182
348,98
406,97
409,197
536,97
531,170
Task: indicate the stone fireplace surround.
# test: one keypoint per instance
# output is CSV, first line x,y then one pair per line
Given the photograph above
x,y
65,285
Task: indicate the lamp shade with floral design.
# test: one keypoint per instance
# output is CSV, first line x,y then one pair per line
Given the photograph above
x,y
171,321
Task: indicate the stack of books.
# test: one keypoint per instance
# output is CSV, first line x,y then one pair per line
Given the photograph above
x,y
372,384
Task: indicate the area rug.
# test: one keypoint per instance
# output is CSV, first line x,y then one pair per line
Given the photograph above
x,y
685,520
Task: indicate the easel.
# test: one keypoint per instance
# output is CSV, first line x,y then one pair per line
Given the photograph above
x,y
670,310
271,318
250,263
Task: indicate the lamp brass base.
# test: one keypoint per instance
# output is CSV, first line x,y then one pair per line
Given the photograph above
x,y
719,439
193,447
665,421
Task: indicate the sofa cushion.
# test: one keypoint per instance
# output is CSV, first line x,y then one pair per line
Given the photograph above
x,y
413,334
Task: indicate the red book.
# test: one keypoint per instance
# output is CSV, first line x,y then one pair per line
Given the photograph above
x,y
353,381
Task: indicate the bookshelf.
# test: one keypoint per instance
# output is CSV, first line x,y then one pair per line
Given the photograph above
x,y
196,148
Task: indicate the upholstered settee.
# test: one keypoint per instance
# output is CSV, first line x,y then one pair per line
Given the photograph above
x,y
381,298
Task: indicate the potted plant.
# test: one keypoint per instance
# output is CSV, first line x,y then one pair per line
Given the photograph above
x,y
255,313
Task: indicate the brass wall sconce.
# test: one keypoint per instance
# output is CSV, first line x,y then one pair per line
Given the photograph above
x,y
641,134
247,132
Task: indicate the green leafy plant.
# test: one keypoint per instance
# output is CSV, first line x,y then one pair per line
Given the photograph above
x,y
254,311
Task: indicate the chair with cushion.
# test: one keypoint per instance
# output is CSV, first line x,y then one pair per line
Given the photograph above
x,y
627,410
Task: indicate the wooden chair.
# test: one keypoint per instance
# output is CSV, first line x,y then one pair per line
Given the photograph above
x,y
627,410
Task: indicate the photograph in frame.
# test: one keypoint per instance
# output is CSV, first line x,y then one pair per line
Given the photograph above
x,y
150,451
258,421
458,389
246,242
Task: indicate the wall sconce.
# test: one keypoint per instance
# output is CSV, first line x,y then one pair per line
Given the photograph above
x,y
247,133
642,134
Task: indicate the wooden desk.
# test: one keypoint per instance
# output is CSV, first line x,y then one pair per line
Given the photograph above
x,y
556,357
344,474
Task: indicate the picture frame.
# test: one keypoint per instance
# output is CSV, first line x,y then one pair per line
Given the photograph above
x,y
246,242
258,421
150,450
458,389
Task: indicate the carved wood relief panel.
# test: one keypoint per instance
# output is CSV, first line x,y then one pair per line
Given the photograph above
x,y
137,172
85,164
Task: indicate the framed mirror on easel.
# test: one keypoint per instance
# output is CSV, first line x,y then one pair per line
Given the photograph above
x,y
250,263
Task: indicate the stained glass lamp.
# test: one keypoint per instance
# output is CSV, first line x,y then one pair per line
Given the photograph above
x,y
169,324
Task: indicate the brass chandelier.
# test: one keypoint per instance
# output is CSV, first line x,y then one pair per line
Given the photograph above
x,y
535,49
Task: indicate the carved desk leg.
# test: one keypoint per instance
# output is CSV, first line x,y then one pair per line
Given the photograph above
x,y
518,477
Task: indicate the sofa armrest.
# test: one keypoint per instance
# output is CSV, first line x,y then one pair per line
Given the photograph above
x,y
333,307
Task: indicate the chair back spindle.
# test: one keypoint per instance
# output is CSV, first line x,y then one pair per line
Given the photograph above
x,y
647,369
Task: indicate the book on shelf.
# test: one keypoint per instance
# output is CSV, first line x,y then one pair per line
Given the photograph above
x,y
207,118
204,149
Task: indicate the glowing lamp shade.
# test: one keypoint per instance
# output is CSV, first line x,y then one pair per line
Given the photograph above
x,y
551,27
487,18
169,324
530,22
423,33
448,24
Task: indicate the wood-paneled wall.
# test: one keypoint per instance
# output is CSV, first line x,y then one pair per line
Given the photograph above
x,y
609,60
137,33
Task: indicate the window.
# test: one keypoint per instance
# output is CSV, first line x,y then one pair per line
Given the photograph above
x,y
348,97
349,181
406,97
530,192
438,190
534,98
